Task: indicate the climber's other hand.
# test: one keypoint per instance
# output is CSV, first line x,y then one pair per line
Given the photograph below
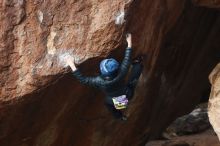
x,y
128,38
70,62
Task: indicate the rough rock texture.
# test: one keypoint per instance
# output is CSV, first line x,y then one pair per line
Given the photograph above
x,y
207,138
208,3
34,32
214,100
42,105
195,122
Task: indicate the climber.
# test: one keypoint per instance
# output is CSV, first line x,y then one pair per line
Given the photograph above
x,y
111,80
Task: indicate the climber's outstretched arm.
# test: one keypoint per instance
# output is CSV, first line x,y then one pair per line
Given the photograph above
x,y
127,58
125,63
92,81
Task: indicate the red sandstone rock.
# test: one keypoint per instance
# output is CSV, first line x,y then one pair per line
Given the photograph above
x,y
207,138
42,105
33,32
208,3
214,100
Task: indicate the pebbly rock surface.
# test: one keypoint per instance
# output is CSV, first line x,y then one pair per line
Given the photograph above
x,y
207,3
214,100
195,122
41,103
207,138
34,33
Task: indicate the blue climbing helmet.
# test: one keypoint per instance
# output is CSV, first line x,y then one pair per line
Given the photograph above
x,y
108,67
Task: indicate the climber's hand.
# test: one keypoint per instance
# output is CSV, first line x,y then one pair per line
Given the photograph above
x,y
128,38
70,62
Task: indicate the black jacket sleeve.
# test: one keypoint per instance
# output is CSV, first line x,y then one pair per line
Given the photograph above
x,y
123,68
125,63
91,81
97,82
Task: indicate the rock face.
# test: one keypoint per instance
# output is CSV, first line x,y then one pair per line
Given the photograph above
x,y
41,104
33,34
207,138
195,122
208,3
214,99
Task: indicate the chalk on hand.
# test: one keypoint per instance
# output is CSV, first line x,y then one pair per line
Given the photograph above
x,y
63,57
119,20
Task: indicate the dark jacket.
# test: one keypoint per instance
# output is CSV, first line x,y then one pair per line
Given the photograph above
x,y
111,88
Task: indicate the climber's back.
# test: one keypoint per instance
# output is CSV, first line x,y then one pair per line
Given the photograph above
x,y
112,75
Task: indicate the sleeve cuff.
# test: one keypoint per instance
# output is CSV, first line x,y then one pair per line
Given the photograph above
x,y
76,71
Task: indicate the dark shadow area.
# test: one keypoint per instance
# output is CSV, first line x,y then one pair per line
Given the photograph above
x,y
188,55
205,95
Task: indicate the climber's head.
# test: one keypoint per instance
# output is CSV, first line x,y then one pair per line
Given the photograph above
x,y
109,67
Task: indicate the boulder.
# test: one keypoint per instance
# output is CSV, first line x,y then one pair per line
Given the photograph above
x,y
214,100
42,104
195,122
206,138
34,34
207,3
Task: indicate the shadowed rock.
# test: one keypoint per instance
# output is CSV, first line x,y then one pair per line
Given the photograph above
x,y
40,102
